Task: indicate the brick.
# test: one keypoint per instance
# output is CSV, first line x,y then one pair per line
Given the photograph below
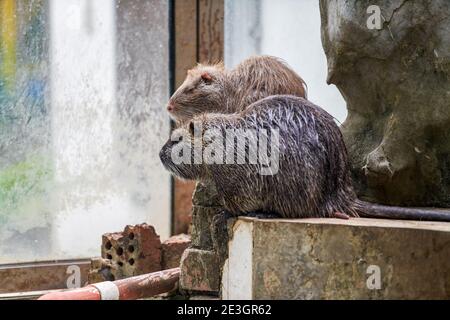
x,y
172,250
136,250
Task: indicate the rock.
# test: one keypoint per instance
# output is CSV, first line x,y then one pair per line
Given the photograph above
x,y
102,270
206,195
337,259
200,271
172,250
201,223
200,264
396,82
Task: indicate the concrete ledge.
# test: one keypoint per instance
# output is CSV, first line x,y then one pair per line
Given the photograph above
x,y
337,259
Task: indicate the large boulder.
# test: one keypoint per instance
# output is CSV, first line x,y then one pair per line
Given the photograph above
x,y
396,82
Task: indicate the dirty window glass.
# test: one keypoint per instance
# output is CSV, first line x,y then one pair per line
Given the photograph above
x,y
289,29
82,85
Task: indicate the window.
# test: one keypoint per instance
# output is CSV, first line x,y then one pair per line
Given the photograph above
x,y
82,89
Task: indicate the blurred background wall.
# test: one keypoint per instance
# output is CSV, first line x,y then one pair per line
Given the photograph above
x,y
289,29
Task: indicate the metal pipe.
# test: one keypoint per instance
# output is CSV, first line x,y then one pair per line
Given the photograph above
x,y
138,287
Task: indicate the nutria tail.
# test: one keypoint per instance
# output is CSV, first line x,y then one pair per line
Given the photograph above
x,y
373,210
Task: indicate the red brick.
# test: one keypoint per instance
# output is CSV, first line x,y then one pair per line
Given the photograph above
x,y
136,250
172,250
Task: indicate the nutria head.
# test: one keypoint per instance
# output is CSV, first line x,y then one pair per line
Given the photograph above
x,y
204,90
211,88
178,155
192,148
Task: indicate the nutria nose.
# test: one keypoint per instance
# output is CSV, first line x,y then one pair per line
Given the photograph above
x,y
170,107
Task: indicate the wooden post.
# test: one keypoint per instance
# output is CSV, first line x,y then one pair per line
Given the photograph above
x,y
211,30
185,55
200,267
198,37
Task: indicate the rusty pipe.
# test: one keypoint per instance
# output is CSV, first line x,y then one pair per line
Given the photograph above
x,y
143,286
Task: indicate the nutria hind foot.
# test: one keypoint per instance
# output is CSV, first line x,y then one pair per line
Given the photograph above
x,y
262,215
341,215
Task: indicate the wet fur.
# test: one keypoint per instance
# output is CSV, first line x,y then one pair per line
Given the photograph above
x,y
313,178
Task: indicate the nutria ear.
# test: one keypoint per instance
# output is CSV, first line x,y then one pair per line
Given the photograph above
x,y
206,76
220,65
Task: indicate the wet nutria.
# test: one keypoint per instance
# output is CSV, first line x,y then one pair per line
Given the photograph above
x,y
312,180
212,88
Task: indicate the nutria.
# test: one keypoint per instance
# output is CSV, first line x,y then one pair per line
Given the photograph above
x,y
212,88
313,178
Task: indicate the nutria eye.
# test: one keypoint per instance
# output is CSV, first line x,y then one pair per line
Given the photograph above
x,y
207,81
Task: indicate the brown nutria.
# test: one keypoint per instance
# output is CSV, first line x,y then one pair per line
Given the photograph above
x,y
212,88
312,179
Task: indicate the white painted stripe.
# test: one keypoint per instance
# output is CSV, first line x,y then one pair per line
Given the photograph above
x,y
237,277
108,290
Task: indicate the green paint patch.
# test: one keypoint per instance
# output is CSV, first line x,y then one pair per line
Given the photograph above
x,y
23,182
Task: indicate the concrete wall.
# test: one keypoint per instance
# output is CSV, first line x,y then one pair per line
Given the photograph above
x,y
337,259
289,29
